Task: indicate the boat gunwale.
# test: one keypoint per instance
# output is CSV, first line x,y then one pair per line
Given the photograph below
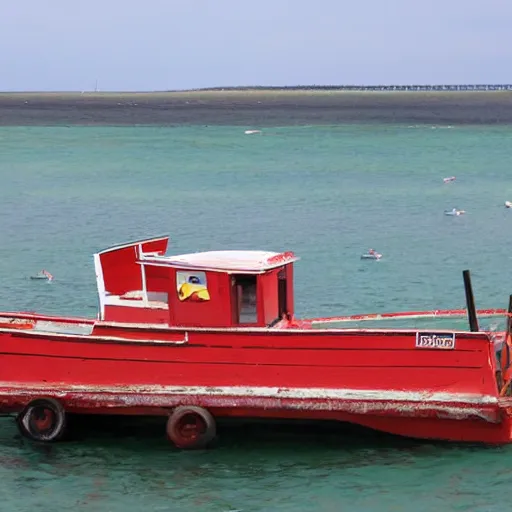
x,y
307,327
158,328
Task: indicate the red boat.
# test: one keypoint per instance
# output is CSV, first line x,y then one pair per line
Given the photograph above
x,y
203,336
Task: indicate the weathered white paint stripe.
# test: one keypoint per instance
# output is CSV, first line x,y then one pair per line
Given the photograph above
x,y
263,392
416,410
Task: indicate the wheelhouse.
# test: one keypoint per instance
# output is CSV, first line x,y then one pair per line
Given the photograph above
x,y
138,283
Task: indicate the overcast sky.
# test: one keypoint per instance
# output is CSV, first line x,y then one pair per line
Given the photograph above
x,y
177,44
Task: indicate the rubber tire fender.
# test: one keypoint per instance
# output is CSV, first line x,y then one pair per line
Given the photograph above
x,y
202,438
27,414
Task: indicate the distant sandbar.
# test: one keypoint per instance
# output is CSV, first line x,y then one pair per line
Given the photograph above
x,y
255,107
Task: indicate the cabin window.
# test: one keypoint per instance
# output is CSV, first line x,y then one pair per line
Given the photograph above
x,y
192,287
245,299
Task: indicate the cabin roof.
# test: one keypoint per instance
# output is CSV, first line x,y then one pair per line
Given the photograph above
x,y
227,261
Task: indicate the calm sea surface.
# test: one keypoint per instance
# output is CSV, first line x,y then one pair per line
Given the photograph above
x,y
326,192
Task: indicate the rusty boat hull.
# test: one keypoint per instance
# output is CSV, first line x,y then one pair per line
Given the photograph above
x,y
379,379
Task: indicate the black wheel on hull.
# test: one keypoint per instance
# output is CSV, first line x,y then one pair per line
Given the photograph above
x,y
191,427
43,419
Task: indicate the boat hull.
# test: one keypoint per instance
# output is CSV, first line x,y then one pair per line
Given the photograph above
x,y
379,379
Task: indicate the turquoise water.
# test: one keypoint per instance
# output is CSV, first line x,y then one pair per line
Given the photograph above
x,y
328,193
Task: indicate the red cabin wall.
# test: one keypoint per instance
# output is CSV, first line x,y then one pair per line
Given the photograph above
x,y
215,312
130,315
121,273
219,311
157,278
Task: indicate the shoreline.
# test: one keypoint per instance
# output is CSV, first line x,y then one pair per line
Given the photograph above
x,y
260,107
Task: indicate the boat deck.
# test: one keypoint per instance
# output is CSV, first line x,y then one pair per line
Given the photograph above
x,y
43,324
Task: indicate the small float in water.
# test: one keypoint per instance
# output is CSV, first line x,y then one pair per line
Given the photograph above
x,y
252,132
508,204
454,212
44,275
450,179
371,255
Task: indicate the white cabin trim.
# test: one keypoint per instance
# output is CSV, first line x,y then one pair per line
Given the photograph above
x,y
100,285
142,276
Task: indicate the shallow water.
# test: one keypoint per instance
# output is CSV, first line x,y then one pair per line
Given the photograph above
x,y
326,192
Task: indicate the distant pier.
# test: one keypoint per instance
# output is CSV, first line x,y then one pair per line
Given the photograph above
x,y
361,88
